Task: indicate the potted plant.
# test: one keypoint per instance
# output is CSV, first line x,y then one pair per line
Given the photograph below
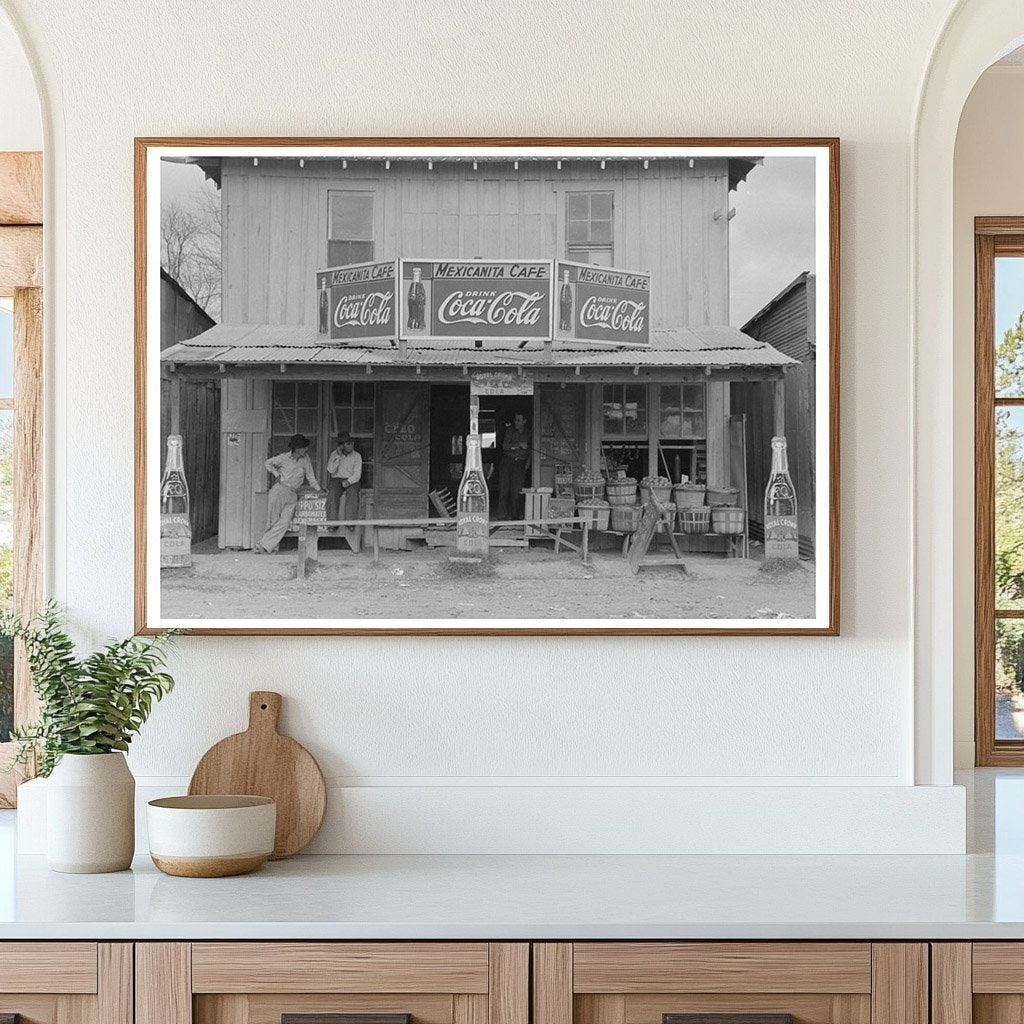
x,y
89,710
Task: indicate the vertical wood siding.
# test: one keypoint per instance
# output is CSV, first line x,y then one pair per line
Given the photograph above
x,y
275,226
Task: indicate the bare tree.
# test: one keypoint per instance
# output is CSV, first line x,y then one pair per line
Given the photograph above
x,y
190,246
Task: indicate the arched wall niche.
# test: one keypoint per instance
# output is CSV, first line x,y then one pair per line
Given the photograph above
x,y
976,34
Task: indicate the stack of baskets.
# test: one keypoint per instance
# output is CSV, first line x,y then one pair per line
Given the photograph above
x,y
688,495
728,519
695,520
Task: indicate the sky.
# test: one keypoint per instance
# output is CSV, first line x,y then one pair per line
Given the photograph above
x,y
771,238
1009,293
6,354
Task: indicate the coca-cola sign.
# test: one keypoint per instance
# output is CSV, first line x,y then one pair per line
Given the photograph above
x,y
604,305
495,300
357,302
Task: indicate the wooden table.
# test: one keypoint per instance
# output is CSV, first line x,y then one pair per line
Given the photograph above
x,y
550,528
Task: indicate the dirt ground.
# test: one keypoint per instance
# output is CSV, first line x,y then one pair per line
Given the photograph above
x,y
515,584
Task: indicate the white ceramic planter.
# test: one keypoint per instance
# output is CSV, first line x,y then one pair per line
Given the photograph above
x,y
90,814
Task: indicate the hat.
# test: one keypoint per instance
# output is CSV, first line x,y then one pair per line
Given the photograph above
x,y
344,437
298,441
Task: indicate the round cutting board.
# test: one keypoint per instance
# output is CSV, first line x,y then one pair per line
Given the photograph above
x,y
262,762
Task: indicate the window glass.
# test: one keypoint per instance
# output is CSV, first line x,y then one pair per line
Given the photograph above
x,y
350,227
588,227
682,411
624,410
1009,679
1009,321
6,568
352,408
1009,524
295,410
6,354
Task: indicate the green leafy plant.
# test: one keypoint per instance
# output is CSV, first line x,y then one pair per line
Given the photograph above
x,y
90,705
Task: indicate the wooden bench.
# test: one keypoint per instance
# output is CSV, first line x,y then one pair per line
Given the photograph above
x,y
551,528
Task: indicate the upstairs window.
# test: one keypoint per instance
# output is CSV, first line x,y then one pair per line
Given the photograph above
x,y
588,228
349,227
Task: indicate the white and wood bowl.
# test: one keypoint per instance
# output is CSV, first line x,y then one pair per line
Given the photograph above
x,y
211,836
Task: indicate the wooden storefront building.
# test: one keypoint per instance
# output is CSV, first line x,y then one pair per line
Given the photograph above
x,y
666,406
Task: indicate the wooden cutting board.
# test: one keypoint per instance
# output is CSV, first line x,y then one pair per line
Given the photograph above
x,y
262,762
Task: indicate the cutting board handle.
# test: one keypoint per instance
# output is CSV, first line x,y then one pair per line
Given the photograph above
x,y
264,710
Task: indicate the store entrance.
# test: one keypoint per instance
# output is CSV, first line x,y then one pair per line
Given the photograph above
x,y
497,418
449,424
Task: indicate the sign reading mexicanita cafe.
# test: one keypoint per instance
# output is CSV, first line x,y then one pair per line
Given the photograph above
x,y
493,300
357,302
602,304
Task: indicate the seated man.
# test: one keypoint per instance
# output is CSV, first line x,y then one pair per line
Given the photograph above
x,y
345,469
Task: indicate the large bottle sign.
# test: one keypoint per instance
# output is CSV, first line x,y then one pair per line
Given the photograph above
x,y
495,300
357,302
602,305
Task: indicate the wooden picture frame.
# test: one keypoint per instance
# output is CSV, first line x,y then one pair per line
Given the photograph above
x,y
823,312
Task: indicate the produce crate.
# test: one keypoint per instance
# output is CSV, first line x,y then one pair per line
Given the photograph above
x,y
626,518
563,480
728,520
598,514
695,520
688,495
560,507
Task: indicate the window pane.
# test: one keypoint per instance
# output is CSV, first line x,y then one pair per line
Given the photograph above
x,y
635,408
1009,323
6,568
693,396
1009,708
600,231
598,256
576,231
612,415
577,205
6,355
351,216
1009,513
671,413
341,253
601,206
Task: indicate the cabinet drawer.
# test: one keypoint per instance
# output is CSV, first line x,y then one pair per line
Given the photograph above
x,y
332,983
730,983
64,967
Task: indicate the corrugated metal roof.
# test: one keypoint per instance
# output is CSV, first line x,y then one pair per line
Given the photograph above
x,y
247,344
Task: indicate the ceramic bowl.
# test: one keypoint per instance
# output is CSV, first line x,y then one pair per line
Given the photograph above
x,y
211,836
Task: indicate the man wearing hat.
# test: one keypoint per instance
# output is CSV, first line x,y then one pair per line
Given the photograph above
x,y
290,469
345,468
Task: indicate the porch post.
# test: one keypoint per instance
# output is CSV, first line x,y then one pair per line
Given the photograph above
x,y
780,408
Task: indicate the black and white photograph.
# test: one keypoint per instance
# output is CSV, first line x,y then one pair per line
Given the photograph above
x,y
466,387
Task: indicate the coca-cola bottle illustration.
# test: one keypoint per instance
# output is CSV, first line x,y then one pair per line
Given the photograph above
x,y
417,301
565,304
781,536
175,527
325,308
473,506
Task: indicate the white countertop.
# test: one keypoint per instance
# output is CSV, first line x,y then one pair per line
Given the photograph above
x,y
516,897
978,896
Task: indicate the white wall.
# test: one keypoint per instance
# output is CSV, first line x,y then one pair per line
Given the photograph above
x,y
987,181
21,126
432,716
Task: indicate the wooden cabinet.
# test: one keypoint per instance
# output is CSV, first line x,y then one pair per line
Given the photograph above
x,y
758,982
263,982
977,983
66,982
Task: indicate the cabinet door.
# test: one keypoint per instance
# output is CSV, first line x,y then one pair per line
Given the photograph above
x,y
332,983
66,982
981,982
730,983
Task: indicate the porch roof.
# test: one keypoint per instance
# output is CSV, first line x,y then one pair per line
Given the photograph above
x,y
258,344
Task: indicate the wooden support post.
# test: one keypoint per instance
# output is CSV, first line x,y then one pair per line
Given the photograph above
x,y
175,403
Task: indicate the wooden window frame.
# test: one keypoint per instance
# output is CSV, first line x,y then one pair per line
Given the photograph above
x,y
21,273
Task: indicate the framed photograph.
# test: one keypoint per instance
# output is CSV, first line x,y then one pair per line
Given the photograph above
x,y
499,386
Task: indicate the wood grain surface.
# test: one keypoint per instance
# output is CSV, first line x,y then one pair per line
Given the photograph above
x,y
899,983
262,762
64,967
21,188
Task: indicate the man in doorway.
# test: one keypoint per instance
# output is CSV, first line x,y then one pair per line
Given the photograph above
x,y
345,468
515,453
290,469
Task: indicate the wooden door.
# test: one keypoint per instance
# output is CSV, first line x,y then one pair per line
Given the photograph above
x,y
560,431
735,982
332,983
977,983
64,982
402,451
